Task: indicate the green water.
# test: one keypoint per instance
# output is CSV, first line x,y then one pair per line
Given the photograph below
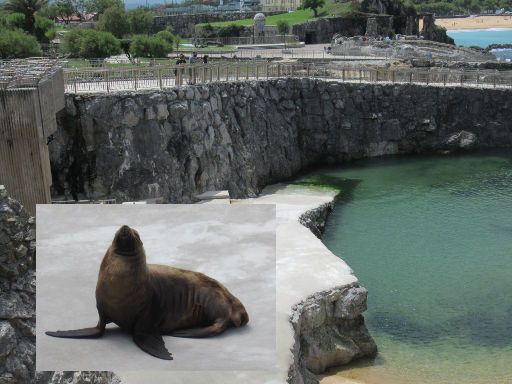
x,y
431,240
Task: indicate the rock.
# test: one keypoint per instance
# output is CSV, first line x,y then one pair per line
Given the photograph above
x,y
461,140
327,338
17,304
7,338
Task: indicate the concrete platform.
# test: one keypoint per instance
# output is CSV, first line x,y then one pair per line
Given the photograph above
x,y
304,266
233,244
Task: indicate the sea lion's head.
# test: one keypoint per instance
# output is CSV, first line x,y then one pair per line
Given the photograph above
x,y
127,241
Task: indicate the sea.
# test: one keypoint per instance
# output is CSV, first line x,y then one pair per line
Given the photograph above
x,y
483,38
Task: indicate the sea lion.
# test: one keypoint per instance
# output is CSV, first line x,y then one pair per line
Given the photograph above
x,y
150,300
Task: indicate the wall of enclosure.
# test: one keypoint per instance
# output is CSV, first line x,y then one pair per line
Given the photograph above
x,y
242,135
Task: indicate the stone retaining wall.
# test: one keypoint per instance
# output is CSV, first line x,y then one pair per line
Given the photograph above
x,y
240,137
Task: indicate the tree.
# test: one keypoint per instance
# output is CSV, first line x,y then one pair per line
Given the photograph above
x,y
140,20
14,44
28,8
149,46
15,20
64,9
100,6
114,20
44,29
313,5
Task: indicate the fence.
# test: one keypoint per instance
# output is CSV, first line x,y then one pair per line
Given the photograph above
x,y
160,77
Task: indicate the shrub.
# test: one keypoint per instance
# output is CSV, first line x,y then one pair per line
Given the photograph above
x,y
231,30
97,44
14,44
149,46
166,35
89,43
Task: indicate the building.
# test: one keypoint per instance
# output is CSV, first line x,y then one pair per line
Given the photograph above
x,y
279,5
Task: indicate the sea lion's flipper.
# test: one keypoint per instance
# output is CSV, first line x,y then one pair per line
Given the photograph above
x,y
152,344
147,337
84,333
216,328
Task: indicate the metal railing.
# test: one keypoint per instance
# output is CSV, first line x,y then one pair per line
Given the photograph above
x,y
160,77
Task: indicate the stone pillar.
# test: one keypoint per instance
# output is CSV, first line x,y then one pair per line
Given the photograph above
x,y
411,25
428,27
371,27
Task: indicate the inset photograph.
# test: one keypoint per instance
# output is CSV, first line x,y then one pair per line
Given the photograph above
x,y
156,287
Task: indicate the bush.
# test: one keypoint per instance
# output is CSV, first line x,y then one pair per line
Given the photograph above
x,y
166,35
90,44
149,46
95,44
71,41
283,27
14,44
114,20
231,30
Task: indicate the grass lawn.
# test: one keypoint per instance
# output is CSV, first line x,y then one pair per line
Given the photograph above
x,y
297,17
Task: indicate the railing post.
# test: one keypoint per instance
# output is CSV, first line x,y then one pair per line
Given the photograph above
x,y
444,79
218,72
278,70
106,79
134,73
360,75
494,81
309,69
247,72
211,74
393,76
74,81
257,72
160,78
266,69
343,74
461,78
410,77
237,72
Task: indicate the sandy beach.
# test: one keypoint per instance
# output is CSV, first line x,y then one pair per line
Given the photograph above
x,y
478,22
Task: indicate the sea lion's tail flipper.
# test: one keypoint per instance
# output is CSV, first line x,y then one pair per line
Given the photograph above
x,y
153,344
215,329
84,333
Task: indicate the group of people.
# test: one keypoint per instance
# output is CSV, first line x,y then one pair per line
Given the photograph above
x,y
193,59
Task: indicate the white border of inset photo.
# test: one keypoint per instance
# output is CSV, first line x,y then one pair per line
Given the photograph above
x,y
234,244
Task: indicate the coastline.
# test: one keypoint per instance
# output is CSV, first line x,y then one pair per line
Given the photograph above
x,y
472,23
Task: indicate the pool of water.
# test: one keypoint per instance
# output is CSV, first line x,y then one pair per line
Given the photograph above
x,y
431,239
